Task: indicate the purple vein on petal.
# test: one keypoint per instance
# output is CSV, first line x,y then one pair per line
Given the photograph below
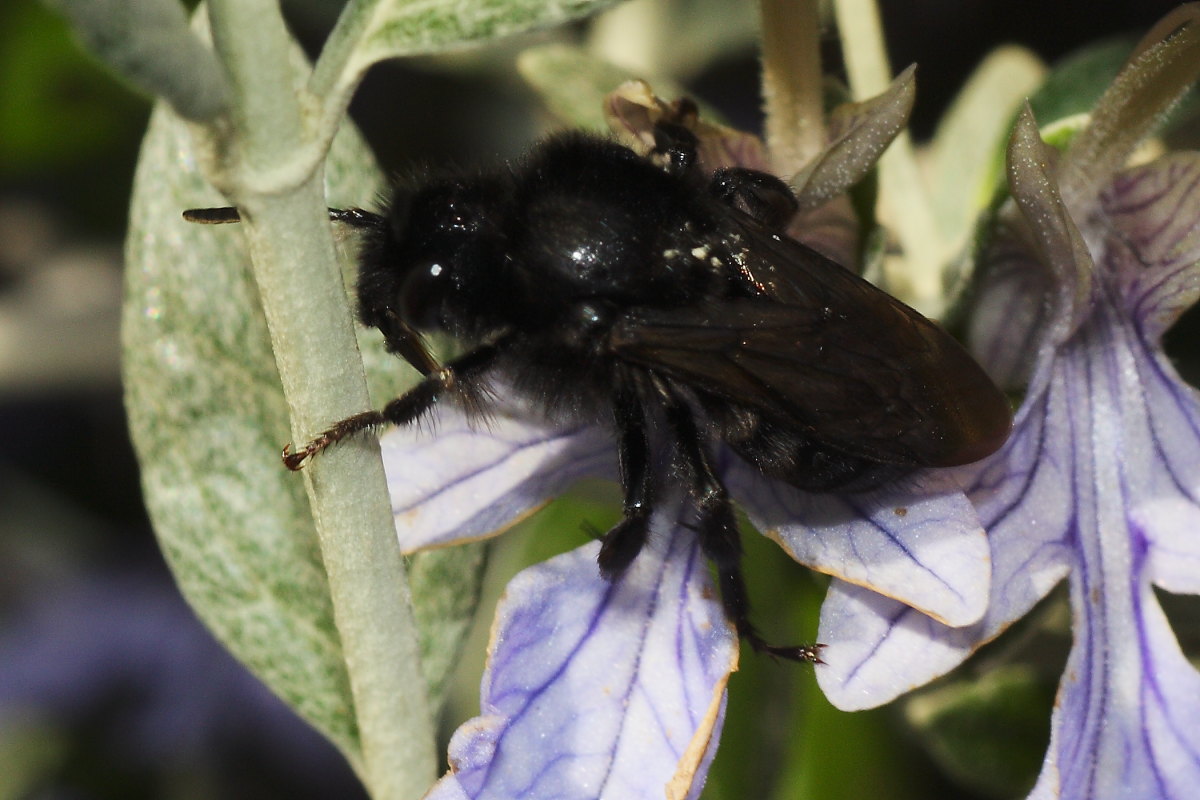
x,y
1104,725
466,484
586,695
516,446
919,541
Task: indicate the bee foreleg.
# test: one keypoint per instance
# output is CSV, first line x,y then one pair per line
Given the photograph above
x,y
460,376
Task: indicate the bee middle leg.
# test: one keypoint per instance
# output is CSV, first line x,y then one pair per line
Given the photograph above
x,y
717,528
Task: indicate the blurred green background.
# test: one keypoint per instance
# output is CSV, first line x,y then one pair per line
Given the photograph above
x,y
109,688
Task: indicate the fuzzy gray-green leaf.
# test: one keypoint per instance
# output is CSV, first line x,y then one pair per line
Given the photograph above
x,y
208,418
373,30
445,587
148,43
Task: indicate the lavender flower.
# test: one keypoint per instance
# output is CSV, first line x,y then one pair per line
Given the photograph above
x,y
1100,482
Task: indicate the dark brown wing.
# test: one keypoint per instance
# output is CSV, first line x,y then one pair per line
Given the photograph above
x,y
824,351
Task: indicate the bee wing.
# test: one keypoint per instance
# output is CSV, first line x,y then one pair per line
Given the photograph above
x,y
826,352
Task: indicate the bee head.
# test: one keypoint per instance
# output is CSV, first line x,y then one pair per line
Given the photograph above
x,y
434,255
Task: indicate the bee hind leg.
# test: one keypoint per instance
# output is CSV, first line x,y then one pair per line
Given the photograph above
x,y
717,528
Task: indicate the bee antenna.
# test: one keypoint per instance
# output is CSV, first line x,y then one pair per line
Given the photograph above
x,y
354,217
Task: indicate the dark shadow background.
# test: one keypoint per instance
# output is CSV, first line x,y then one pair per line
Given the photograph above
x,y
109,687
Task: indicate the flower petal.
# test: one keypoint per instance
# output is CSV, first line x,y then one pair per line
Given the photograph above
x,y
1102,475
1036,255
1125,719
918,540
1165,474
1159,417
1054,232
1025,496
1026,499
468,481
1004,332
878,648
832,229
598,689
1154,210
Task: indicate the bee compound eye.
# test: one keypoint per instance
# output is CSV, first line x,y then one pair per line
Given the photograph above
x,y
422,294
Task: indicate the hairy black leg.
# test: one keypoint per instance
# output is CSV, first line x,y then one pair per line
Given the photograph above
x,y
622,544
717,528
761,195
405,342
460,377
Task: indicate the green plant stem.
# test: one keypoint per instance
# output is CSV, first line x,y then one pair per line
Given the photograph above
x,y
792,90
917,279
262,165
323,381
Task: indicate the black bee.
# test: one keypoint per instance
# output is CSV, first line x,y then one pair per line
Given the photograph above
x,y
672,306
